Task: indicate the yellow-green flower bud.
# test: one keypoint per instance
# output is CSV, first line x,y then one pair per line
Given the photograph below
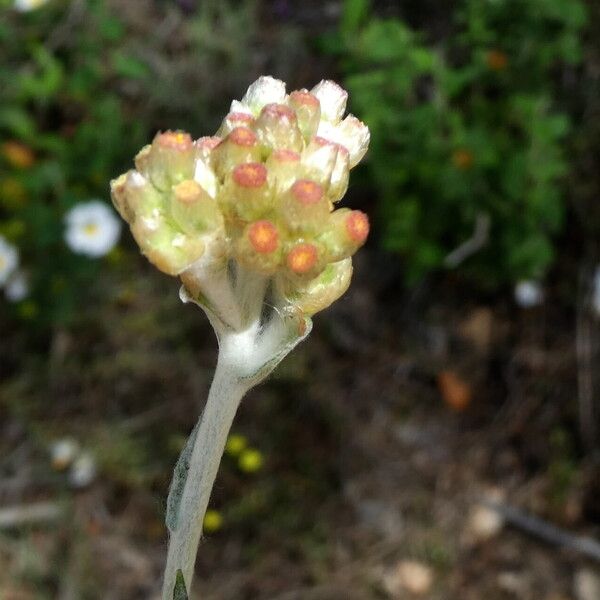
x,y
247,195
259,247
233,120
317,294
277,127
282,167
193,209
304,207
347,231
240,146
170,159
308,111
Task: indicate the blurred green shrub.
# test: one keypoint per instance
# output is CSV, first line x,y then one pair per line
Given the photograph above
x,y
83,85
467,141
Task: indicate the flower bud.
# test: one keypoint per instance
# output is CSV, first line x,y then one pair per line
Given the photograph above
x,y
333,100
277,127
304,207
247,195
169,250
259,247
233,120
347,231
240,146
193,209
303,259
318,293
265,90
318,160
351,133
340,176
308,112
169,160
282,166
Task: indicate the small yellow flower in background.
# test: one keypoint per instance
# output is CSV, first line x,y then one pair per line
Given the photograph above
x,y
213,521
28,5
462,159
251,460
17,154
496,60
28,310
235,444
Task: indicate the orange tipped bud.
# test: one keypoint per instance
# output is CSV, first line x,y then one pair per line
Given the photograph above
x,y
308,111
240,146
304,207
346,231
258,247
174,140
248,196
169,160
263,236
302,258
357,226
192,208
277,127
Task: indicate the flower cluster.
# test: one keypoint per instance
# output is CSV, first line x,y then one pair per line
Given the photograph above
x,y
261,192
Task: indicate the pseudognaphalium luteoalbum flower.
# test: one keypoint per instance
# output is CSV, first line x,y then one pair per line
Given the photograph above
x,y
9,260
261,192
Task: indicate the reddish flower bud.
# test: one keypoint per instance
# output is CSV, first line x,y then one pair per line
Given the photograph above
x,y
357,226
233,120
250,175
240,146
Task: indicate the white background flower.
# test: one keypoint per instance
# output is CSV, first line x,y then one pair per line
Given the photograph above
x,y
92,229
28,5
17,287
9,260
528,293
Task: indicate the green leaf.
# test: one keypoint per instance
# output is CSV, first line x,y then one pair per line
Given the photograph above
x,y
180,591
355,12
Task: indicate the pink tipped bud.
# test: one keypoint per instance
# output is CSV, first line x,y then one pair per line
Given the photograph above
x,y
250,175
240,146
205,145
247,197
307,192
302,258
357,226
304,207
233,120
277,127
263,237
308,111
174,140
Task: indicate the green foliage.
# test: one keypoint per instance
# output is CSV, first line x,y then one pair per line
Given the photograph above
x,y
466,131
83,86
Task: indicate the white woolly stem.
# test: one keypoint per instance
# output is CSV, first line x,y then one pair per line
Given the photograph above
x,y
246,357
224,397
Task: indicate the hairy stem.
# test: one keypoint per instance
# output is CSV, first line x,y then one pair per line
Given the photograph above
x,y
224,397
